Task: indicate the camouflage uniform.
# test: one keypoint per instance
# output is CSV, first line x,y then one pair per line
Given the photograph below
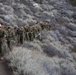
x,y
2,37
42,26
39,30
47,26
20,35
10,37
30,34
35,31
26,30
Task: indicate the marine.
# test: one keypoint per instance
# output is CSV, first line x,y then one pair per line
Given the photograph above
x,y
26,31
47,25
30,34
34,29
42,25
20,35
10,37
2,37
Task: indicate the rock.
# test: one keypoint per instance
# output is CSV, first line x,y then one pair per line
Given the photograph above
x,y
74,56
72,33
52,33
51,51
28,11
9,19
30,21
74,15
71,26
20,22
63,31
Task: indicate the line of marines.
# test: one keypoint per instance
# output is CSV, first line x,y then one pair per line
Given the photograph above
x,y
17,35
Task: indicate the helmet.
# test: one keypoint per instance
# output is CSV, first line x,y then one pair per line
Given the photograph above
x,y
10,27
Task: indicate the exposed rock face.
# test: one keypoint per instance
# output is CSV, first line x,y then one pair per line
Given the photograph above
x,y
53,54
